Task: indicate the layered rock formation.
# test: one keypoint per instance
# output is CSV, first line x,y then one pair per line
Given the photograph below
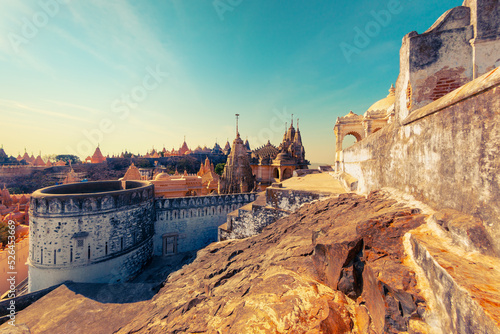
x,y
349,264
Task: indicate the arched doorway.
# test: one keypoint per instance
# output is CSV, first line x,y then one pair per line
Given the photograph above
x,y
276,173
287,173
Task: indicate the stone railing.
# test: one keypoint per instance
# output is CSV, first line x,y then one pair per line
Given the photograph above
x,y
89,198
203,201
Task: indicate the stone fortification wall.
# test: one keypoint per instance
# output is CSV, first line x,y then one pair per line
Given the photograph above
x,y
272,205
446,153
100,232
12,171
191,222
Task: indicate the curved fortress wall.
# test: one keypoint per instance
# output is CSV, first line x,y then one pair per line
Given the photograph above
x,y
100,232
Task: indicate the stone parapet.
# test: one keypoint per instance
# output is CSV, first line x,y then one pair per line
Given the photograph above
x,y
89,198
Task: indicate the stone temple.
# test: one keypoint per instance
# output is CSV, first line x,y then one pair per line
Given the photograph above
x,y
237,176
274,164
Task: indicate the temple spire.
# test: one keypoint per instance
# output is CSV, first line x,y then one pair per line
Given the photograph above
x,y
237,132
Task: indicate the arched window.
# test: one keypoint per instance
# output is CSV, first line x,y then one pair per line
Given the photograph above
x,y
350,139
287,173
276,173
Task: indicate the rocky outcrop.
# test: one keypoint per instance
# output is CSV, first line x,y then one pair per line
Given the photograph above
x,y
334,266
349,264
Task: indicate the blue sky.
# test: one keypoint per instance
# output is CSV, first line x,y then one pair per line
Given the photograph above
x,y
137,74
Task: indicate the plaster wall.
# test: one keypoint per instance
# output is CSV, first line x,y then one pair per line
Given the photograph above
x,y
250,220
432,64
447,153
114,270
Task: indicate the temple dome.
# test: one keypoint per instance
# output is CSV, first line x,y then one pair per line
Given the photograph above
x,y
162,176
382,106
282,156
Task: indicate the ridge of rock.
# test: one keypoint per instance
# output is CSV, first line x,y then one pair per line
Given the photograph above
x,y
337,265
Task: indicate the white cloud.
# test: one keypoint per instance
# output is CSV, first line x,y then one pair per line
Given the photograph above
x,y
19,106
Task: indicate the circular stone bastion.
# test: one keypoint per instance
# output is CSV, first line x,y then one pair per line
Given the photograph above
x,y
90,232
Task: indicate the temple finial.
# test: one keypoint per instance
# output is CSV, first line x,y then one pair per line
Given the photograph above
x,y
237,132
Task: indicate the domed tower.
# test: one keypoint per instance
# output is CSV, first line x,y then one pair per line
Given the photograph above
x,y
237,176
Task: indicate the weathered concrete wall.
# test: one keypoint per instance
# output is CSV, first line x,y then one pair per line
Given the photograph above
x,y
89,235
446,153
436,62
289,200
193,221
114,270
246,223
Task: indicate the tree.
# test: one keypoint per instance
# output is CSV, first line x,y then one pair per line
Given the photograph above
x,y
220,168
142,163
67,158
4,233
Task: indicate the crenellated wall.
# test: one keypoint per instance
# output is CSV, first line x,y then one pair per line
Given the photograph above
x,y
191,223
106,232
75,228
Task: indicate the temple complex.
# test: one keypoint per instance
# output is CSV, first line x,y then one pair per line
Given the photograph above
x,y
16,208
205,182
273,164
182,151
227,148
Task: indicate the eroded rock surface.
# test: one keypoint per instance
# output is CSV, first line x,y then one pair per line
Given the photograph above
x,y
334,266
